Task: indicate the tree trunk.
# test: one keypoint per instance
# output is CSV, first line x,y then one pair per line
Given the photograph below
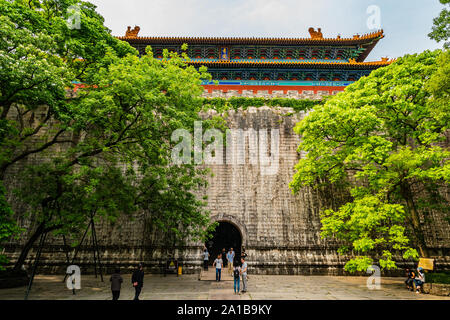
x,y
26,249
29,245
417,229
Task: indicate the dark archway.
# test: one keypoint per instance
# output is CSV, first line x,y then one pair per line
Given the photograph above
x,y
225,236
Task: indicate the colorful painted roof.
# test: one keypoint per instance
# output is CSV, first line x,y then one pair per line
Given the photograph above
x,y
361,45
365,43
291,63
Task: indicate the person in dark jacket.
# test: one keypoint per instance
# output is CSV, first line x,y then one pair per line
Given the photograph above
x,y
137,279
116,283
243,253
224,257
409,281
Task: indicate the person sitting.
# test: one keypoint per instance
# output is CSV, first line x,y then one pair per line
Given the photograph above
x,y
410,279
419,280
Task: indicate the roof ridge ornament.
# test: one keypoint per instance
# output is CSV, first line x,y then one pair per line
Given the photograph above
x,y
362,39
132,33
315,34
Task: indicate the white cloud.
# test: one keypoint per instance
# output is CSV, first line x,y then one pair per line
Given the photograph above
x,y
216,18
406,22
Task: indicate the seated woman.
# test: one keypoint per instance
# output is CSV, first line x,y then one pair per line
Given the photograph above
x,y
410,279
419,280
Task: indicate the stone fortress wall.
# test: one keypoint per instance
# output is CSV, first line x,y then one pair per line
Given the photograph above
x,y
280,231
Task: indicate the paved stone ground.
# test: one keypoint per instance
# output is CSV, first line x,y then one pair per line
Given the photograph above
x,y
188,287
210,275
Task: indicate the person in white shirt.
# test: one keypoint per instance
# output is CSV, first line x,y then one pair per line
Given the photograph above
x,y
244,275
218,264
205,259
419,279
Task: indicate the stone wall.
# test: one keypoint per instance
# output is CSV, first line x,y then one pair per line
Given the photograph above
x,y
437,289
280,231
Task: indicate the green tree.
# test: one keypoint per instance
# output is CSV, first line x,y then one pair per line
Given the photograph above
x,y
123,117
441,25
40,58
439,85
169,198
126,119
381,139
8,226
63,200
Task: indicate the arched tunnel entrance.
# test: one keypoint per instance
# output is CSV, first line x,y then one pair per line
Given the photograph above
x,y
225,236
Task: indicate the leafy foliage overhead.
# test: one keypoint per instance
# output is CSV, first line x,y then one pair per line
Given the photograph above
x,y
441,25
107,146
8,226
382,138
40,58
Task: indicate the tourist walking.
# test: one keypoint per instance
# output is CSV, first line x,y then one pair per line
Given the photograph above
x,y
218,264
230,259
116,284
137,279
237,278
244,275
205,259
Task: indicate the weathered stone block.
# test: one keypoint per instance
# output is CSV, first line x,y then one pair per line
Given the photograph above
x,y
437,289
280,231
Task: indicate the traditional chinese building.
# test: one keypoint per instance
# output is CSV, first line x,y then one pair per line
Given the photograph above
x,y
254,207
279,66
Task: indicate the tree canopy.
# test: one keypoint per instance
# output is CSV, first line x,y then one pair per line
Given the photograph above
x,y
106,147
441,26
40,59
8,227
382,140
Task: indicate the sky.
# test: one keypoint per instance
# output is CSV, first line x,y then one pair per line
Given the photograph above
x,y
406,23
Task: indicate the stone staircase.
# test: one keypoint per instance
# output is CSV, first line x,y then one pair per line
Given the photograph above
x,y
210,275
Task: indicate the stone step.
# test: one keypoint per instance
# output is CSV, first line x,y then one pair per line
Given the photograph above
x,y
210,275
